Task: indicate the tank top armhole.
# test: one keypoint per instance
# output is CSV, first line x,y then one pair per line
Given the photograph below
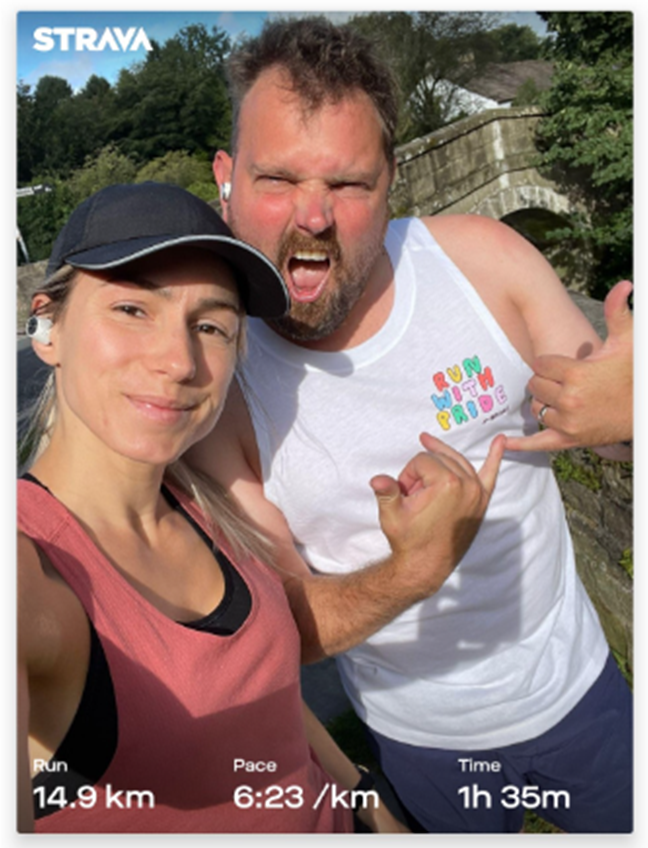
x,y
95,721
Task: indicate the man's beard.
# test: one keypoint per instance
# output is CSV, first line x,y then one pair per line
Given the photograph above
x,y
348,280
311,322
320,318
316,320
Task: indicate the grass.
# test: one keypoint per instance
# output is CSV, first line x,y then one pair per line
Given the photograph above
x,y
587,475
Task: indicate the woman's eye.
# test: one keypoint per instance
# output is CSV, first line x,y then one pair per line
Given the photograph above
x,y
214,330
129,309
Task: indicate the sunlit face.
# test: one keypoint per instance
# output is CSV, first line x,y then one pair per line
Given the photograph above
x,y
145,356
310,191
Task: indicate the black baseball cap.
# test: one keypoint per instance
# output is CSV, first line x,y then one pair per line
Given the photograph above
x,y
122,223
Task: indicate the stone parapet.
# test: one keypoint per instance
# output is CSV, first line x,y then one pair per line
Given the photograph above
x,y
484,165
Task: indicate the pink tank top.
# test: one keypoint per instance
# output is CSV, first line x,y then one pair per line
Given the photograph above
x,y
189,704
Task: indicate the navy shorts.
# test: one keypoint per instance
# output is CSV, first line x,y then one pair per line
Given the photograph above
x,y
578,775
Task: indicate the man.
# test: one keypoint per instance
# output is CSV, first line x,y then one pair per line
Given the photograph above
x,y
480,679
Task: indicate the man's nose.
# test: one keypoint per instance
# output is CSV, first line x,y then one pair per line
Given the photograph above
x,y
314,210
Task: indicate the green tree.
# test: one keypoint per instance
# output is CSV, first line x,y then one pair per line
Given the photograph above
x,y
171,112
50,96
432,54
28,148
513,43
41,217
177,98
108,167
528,94
191,172
587,137
57,129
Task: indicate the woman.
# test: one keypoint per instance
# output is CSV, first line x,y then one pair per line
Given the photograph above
x,y
158,671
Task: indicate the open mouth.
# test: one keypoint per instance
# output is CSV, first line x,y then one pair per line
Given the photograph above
x,y
307,274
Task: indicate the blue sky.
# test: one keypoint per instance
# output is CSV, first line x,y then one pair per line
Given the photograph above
x,y
76,67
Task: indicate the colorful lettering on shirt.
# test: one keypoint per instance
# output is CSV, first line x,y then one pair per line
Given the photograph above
x,y
465,392
442,401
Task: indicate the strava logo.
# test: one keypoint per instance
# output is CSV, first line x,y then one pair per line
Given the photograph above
x,y
87,38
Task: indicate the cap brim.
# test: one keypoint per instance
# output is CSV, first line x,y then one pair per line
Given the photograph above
x,y
263,290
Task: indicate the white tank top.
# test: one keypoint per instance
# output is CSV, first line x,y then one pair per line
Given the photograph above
x,y
511,641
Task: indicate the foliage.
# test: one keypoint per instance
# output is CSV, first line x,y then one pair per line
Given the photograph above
x,y
587,137
528,94
424,50
627,562
42,216
513,43
585,36
163,119
533,823
177,98
58,129
193,173
434,53
586,472
107,168
624,667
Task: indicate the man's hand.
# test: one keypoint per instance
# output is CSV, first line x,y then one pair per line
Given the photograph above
x,y
587,402
430,515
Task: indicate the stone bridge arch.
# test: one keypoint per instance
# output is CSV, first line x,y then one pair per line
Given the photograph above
x,y
485,165
505,200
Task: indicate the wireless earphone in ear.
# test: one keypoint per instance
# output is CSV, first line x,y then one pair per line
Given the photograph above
x,y
38,328
225,191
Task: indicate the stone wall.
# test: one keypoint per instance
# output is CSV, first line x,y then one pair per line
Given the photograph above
x,y
482,165
598,500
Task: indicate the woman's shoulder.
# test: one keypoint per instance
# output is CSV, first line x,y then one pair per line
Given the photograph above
x,y
51,619
31,574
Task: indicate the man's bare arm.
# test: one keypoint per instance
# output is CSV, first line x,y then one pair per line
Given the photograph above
x,y
430,516
549,332
588,401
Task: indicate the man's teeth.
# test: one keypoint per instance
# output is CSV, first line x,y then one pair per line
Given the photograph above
x,y
310,256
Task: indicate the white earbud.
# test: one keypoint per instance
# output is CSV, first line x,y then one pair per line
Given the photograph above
x,y
225,191
38,329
